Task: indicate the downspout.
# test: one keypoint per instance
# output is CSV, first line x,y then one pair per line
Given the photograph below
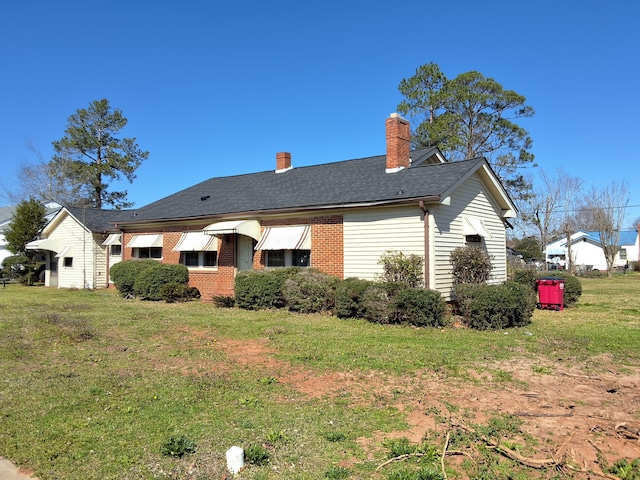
x,y
427,267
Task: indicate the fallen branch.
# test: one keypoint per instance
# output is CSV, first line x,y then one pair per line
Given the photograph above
x,y
529,462
533,414
444,454
406,456
563,445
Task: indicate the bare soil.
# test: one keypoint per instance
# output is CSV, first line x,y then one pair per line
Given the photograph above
x,y
579,415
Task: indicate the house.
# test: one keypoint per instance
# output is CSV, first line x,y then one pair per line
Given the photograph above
x,y
79,246
338,217
6,216
587,253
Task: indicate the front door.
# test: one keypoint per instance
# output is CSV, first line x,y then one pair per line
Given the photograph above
x,y
53,270
245,252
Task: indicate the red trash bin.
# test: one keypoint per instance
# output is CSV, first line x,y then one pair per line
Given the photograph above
x,y
550,293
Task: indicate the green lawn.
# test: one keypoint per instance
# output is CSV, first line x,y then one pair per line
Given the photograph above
x,y
93,385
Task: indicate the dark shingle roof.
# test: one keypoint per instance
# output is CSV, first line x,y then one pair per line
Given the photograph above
x,y
331,184
98,220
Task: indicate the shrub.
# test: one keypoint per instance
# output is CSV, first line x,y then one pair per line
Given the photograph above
x,y
178,292
124,274
310,291
407,270
255,290
487,307
525,277
377,304
419,307
572,286
256,455
150,281
349,297
223,301
470,265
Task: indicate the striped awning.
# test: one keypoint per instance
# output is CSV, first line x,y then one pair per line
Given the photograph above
x,y
145,241
474,226
196,242
295,237
250,228
113,239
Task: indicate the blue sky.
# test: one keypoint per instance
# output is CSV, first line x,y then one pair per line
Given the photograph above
x,y
215,88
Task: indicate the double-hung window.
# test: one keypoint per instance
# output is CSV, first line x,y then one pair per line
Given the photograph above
x,y
146,246
198,250
286,246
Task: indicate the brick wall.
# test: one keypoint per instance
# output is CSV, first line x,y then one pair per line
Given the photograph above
x,y
327,252
327,242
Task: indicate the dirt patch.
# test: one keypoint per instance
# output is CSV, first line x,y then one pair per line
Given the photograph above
x,y
576,415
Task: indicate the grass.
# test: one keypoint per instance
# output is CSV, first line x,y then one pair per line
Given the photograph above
x,y
94,385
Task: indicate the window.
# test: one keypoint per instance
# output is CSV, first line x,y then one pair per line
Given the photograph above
x,y
148,252
288,258
68,262
199,259
115,250
623,254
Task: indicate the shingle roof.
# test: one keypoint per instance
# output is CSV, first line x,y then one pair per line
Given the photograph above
x,y
331,184
97,220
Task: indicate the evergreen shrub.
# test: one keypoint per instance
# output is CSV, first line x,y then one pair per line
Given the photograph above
x,y
255,290
173,292
310,291
349,297
419,307
486,307
470,265
377,304
124,274
149,283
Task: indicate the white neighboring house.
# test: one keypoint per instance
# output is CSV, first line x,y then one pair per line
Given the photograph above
x,y
6,216
586,250
79,245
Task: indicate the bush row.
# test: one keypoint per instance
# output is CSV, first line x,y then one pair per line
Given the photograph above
x,y
311,291
151,280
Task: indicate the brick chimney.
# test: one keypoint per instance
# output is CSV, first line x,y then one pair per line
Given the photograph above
x,y
283,162
398,143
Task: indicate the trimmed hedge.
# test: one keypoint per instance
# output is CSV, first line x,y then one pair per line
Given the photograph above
x,y
486,307
377,305
349,297
124,274
310,291
149,283
419,307
178,292
255,290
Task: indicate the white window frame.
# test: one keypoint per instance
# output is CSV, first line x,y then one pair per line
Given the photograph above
x,y
201,256
136,253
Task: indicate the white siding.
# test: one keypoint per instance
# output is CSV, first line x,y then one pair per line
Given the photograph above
x,y
474,200
89,260
368,234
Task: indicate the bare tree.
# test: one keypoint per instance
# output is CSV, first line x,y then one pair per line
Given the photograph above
x,y
605,209
550,209
43,181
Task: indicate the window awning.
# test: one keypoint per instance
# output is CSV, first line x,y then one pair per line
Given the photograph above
x,y
297,237
145,241
52,244
65,252
474,226
113,239
196,242
250,228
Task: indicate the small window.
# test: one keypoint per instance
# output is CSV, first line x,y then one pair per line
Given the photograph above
x,y
473,239
623,254
288,258
150,252
199,259
68,261
275,258
116,250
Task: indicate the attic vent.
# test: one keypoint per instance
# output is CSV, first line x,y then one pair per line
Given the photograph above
x,y
206,197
